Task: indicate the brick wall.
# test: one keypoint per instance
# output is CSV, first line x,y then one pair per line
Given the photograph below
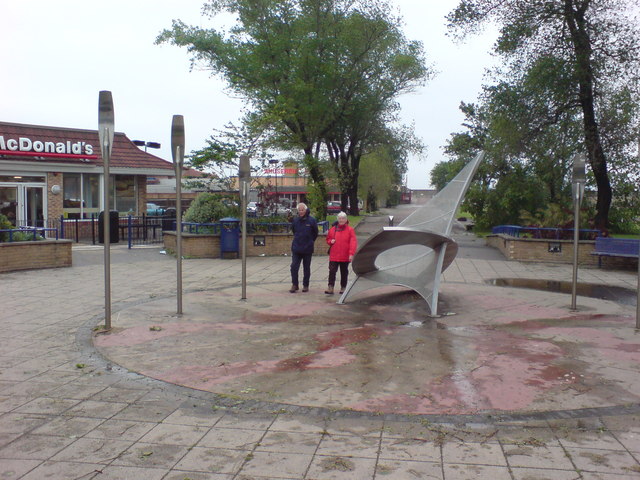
x,y
554,251
34,255
208,246
54,201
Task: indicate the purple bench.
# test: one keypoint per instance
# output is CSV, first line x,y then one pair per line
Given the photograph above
x,y
615,247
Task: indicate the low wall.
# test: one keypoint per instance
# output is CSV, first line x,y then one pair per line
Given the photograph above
x,y
263,244
554,251
34,255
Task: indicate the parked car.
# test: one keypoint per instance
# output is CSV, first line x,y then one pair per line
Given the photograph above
x,y
334,207
154,210
252,209
279,209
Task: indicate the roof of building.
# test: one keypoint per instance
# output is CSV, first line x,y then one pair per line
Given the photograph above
x,y
23,143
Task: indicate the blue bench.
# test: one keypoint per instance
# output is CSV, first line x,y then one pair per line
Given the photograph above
x,y
615,247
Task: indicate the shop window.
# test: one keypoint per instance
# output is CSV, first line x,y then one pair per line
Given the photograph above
x,y
72,187
125,192
91,194
81,195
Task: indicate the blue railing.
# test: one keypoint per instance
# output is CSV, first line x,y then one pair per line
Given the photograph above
x,y
544,232
193,227
34,230
252,227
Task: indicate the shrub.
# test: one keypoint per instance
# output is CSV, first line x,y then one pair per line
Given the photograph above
x,y
16,235
4,225
25,237
210,207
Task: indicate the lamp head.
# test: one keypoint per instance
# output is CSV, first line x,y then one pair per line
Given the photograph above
x,y
105,122
177,139
579,175
244,171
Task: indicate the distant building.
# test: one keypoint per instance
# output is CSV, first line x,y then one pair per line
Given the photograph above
x,y
285,184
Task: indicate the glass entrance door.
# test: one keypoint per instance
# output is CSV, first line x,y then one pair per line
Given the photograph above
x,y
23,204
9,203
34,206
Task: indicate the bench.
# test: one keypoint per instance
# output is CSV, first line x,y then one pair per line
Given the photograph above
x,y
615,247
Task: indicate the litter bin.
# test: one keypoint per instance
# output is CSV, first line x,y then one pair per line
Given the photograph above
x,y
169,220
229,236
114,237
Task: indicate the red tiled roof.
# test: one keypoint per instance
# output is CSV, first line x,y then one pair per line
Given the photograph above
x,y
124,153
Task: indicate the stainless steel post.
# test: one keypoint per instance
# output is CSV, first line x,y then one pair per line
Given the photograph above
x,y
244,175
576,242
105,134
177,151
638,288
579,178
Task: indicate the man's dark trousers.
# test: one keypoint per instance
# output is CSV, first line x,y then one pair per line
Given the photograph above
x,y
296,258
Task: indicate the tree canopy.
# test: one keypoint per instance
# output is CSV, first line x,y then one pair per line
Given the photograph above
x,y
570,72
319,76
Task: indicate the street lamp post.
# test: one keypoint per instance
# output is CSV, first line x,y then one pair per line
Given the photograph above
x,y
105,133
579,178
177,151
244,175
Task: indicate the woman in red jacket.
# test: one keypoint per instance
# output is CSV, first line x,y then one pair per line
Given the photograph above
x,y
342,242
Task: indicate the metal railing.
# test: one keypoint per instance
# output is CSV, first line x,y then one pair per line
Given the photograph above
x,y
544,232
33,232
252,227
138,230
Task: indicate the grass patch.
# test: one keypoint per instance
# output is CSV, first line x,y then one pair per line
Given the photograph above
x,y
353,220
630,236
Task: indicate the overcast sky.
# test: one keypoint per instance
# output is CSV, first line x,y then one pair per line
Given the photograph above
x,y
57,55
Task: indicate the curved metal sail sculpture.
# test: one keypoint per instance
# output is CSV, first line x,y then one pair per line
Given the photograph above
x,y
416,252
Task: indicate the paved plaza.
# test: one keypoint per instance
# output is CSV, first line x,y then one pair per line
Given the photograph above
x,y
507,383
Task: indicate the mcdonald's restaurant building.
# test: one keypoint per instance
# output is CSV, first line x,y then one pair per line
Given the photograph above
x,y
50,172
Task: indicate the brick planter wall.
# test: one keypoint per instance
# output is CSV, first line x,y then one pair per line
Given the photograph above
x,y
553,251
208,246
34,255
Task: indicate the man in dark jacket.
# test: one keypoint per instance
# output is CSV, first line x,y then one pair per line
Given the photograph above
x,y
305,232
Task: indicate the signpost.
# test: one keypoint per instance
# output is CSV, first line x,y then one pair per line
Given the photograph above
x,y
244,175
579,178
105,133
177,151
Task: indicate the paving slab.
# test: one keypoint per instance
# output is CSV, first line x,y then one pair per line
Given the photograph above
x,y
507,383
493,350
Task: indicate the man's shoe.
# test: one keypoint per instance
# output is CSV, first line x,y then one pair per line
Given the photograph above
x,y
305,289
329,290
341,291
293,289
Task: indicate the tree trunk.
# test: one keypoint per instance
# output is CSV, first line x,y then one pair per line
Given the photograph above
x,y
582,48
317,184
352,186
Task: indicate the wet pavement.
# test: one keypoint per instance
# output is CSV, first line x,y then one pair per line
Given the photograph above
x,y
507,383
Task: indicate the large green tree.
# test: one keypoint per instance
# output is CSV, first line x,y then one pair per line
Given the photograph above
x,y
590,48
318,75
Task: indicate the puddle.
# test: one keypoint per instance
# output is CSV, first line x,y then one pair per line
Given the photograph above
x,y
625,296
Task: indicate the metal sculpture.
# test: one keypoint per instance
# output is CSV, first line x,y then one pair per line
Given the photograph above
x,y
416,252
